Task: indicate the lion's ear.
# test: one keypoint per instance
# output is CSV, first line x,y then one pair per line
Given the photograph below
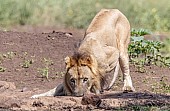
x,y
68,62
88,60
91,62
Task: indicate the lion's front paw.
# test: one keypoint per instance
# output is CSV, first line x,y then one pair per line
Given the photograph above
x,y
128,89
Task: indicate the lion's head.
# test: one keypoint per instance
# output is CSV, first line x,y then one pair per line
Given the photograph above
x,y
82,75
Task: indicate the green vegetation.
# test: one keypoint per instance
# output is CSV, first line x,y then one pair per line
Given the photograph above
x,y
2,69
5,56
146,52
148,14
27,63
45,70
8,55
140,32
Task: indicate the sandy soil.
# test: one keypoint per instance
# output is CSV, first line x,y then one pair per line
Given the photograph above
x,y
26,52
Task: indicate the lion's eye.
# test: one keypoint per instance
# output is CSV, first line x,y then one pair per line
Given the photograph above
x,y
72,80
85,79
83,64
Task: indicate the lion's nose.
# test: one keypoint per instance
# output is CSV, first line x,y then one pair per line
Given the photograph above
x,y
78,94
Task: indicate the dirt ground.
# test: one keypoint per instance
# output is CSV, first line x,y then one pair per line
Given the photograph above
x,y
28,53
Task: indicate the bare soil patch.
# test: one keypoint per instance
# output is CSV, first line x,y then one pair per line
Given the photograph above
x,y
24,56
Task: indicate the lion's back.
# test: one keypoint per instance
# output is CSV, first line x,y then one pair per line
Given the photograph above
x,y
105,18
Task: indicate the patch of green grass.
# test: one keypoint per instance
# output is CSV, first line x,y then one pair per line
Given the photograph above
x,y
45,70
27,63
10,55
2,69
7,55
47,62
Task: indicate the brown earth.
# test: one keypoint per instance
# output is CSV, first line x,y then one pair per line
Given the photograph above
x,y
25,53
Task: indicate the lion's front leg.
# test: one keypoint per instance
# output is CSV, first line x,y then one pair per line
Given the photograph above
x,y
97,89
57,91
124,64
49,93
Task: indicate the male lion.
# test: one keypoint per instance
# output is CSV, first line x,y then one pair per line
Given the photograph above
x,y
103,49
